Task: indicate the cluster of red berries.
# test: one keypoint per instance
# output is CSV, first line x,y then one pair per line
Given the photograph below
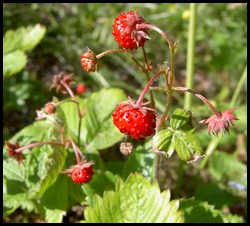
x,y
136,122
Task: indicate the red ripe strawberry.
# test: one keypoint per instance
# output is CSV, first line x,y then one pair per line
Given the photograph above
x,y
82,175
137,122
125,32
80,88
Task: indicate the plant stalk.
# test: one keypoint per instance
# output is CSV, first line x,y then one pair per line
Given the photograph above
x,y
190,53
38,144
141,97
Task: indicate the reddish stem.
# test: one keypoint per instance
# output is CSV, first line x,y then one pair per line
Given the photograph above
x,y
77,152
110,51
38,144
141,97
151,26
78,109
205,100
68,89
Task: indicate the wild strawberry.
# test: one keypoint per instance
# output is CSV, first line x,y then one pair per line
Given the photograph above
x,y
89,61
82,175
136,122
125,32
80,88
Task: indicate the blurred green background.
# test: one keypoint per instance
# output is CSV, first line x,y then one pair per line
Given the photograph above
x,y
220,52
220,59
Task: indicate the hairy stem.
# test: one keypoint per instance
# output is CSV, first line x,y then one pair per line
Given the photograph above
x,y
156,167
141,97
164,116
169,79
160,123
38,144
66,86
148,77
78,152
110,51
151,26
138,64
205,100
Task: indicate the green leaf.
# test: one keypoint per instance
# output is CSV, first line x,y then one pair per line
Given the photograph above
x,y
15,43
164,141
141,160
14,186
59,197
43,168
12,202
101,181
215,195
221,163
13,62
226,169
32,36
54,216
56,196
23,38
231,218
42,164
182,120
115,166
12,40
187,146
97,129
196,211
134,201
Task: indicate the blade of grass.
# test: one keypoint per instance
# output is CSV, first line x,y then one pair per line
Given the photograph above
x,y
190,53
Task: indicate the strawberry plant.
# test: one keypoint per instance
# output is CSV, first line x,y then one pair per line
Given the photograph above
x,y
58,161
